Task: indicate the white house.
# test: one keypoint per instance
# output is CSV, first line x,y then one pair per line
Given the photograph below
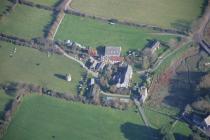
x,y
68,77
125,78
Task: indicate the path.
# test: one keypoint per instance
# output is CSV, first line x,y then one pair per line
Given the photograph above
x,y
58,26
172,34
78,61
141,112
115,95
67,3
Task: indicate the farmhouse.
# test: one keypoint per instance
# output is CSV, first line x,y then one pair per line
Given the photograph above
x,y
112,55
153,46
123,77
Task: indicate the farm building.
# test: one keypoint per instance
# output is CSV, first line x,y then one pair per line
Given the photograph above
x,y
207,123
153,46
123,77
112,55
143,94
91,82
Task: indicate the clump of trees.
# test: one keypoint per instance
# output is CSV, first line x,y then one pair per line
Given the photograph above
x,y
40,6
53,26
107,81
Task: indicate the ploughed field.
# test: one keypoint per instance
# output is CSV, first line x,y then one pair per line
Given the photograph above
x,y
25,22
32,66
95,33
163,13
43,117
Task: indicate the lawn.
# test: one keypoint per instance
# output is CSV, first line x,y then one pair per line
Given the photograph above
x,y
31,66
25,22
155,12
159,119
4,100
95,33
45,2
182,130
47,118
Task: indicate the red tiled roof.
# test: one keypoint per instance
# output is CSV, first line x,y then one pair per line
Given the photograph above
x,y
116,58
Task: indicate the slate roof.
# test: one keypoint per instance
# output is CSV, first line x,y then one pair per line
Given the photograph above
x,y
112,51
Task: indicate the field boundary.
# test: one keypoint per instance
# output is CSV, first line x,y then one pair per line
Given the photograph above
x,y
131,24
24,89
107,20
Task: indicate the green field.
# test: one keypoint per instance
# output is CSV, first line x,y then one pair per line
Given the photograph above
x,y
183,129
47,118
25,22
45,2
156,12
95,33
159,120
31,66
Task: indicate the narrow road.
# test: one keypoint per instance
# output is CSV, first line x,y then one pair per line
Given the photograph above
x,y
58,26
141,112
78,61
198,35
66,6
115,95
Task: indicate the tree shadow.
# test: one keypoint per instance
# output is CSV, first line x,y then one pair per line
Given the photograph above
x,y
180,137
60,76
181,25
137,132
182,89
203,7
100,50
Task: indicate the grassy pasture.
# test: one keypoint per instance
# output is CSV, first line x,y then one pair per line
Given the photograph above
x,y
162,13
31,66
26,22
96,33
45,2
43,117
